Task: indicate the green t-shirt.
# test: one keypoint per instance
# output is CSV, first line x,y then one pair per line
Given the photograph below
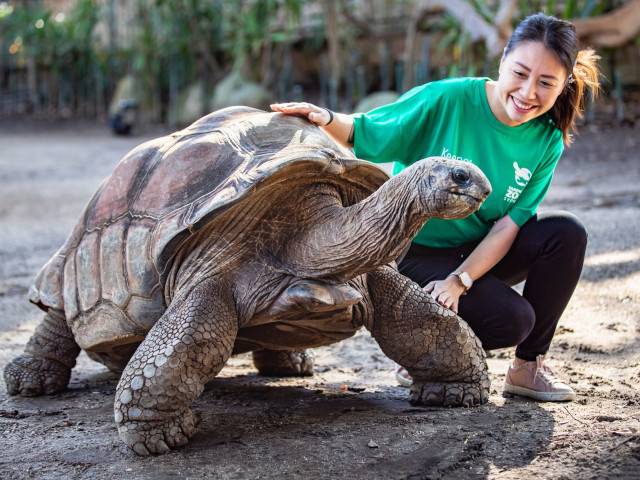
x,y
452,118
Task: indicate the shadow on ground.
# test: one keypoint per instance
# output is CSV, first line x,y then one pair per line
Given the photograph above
x,y
255,427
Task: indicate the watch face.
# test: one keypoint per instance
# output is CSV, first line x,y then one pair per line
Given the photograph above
x,y
465,279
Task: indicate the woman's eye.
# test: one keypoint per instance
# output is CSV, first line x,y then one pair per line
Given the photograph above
x,y
519,74
546,84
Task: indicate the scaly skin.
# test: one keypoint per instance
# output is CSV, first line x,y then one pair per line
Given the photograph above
x,y
283,363
436,346
45,367
185,349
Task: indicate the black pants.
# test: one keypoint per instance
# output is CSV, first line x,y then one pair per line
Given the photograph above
x,y
548,252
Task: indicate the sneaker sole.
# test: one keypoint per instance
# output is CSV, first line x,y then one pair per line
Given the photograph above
x,y
511,390
403,381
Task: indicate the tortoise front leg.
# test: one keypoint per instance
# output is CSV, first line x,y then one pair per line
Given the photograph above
x,y
45,366
185,349
436,346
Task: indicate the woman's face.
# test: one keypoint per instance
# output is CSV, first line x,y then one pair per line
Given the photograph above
x,y
531,79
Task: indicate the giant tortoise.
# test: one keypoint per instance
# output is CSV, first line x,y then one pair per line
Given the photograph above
x,y
246,232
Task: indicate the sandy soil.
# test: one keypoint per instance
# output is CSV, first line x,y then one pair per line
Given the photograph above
x,y
349,420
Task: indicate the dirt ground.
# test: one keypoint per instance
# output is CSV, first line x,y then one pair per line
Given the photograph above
x,y
350,420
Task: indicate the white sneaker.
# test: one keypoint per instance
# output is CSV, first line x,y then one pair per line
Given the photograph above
x,y
403,378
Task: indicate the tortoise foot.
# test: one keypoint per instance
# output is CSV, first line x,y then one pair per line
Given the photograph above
x,y
31,376
281,363
156,437
448,394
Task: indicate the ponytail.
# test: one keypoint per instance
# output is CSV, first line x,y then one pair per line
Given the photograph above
x,y
569,106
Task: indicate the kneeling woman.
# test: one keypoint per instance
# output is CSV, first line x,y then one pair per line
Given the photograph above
x,y
515,129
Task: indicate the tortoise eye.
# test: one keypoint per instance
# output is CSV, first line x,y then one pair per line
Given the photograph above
x,y
460,176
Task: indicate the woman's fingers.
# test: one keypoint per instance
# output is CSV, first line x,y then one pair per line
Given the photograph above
x,y
429,287
435,288
444,299
447,300
297,107
454,306
317,118
314,114
285,107
438,291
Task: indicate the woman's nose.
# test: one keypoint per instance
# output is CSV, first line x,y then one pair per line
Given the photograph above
x,y
529,89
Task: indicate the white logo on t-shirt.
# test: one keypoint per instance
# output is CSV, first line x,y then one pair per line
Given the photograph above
x,y
447,154
523,175
512,194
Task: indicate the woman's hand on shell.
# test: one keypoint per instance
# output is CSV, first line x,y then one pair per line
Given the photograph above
x,y
316,115
446,292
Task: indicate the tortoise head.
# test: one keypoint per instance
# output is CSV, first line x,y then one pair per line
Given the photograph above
x,y
343,242
450,188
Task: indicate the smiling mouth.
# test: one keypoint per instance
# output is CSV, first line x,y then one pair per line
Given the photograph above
x,y
522,107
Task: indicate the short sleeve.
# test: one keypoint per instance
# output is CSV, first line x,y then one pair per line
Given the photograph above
x,y
533,194
384,134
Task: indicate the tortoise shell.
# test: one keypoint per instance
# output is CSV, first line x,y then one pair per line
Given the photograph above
x,y
111,276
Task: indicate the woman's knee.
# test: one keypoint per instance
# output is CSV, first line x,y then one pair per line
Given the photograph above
x,y
568,229
504,322
517,322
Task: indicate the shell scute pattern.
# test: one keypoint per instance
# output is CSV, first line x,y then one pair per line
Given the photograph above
x,y
113,200
50,278
88,271
114,282
70,291
161,194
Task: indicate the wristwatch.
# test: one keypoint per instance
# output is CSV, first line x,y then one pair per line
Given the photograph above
x,y
465,279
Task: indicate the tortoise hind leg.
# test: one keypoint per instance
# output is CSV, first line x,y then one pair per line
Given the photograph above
x,y
45,366
437,347
185,349
283,363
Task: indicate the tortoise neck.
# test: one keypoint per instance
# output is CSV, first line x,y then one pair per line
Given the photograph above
x,y
345,242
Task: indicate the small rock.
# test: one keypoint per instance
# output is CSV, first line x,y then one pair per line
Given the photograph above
x,y
608,418
372,444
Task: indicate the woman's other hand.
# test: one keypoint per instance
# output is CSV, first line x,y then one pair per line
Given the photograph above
x,y
446,292
316,115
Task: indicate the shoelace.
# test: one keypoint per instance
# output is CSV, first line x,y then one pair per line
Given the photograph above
x,y
546,374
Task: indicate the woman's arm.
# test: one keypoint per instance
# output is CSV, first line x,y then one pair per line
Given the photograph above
x,y
340,127
483,258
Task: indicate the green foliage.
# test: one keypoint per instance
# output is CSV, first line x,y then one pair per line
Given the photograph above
x,y
249,26
175,42
178,42
54,41
570,9
561,8
182,41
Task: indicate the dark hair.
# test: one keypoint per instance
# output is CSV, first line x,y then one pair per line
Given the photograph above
x,y
560,37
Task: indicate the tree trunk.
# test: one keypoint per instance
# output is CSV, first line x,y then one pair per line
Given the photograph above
x,y
613,29
494,35
410,42
32,84
333,41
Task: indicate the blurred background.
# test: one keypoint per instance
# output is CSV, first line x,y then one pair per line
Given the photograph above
x,y
150,62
